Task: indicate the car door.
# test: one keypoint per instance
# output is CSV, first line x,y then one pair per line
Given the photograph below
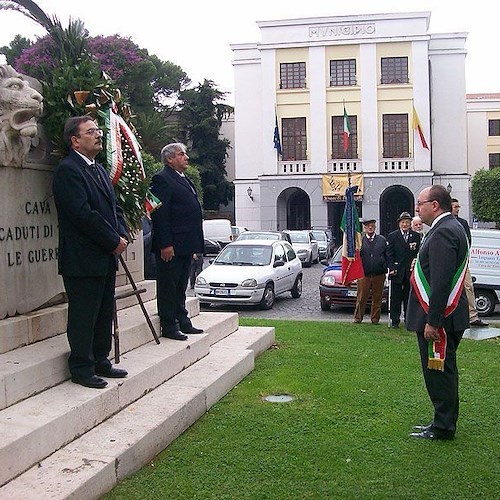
x,y
314,247
293,264
281,273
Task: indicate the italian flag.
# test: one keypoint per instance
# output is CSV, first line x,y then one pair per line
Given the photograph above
x,y
352,266
347,130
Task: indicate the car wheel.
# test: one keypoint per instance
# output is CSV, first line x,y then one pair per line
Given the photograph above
x,y
267,300
325,306
297,287
485,302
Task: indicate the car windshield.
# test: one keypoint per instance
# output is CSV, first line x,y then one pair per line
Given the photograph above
x,y
239,255
258,236
299,237
337,257
320,235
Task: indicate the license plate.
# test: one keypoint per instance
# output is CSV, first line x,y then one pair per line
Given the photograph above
x,y
352,293
219,291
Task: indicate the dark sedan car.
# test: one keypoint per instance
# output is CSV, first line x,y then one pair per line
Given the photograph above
x,y
332,292
211,248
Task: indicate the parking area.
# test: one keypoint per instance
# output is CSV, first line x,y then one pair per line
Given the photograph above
x,y
307,307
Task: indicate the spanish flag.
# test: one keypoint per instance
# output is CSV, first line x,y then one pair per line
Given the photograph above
x,y
418,127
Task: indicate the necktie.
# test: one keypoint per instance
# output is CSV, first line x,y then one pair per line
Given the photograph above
x,y
405,235
95,172
183,177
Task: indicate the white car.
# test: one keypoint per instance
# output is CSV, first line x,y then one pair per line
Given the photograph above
x,y
251,272
305,245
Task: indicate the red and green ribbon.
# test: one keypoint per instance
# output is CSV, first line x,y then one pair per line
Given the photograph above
x,y
117,132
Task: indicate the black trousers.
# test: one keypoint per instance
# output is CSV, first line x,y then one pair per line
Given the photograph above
x,y
171,282
90,321
442,387
399,295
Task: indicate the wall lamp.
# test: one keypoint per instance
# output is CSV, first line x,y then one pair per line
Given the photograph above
x,y
249,193
449,187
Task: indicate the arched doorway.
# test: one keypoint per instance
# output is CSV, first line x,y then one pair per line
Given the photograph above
x,y
393,201
299,210
293,209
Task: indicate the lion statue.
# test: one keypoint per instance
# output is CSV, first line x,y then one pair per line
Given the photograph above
x,y
20,105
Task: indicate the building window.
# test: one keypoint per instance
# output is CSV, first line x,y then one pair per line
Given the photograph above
x,y
394,70
294,139
395,136
494,127
343,72
293,75
338,138
494,160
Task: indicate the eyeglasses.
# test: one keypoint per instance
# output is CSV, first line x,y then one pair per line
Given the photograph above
x,y
92,131
419,203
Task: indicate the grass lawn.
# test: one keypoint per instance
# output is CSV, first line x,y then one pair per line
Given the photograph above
x,y
358,391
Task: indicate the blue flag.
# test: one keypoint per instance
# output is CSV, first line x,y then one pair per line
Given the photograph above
x,y
277,140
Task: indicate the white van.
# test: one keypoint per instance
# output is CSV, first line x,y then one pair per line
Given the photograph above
x,y
218,230
485,269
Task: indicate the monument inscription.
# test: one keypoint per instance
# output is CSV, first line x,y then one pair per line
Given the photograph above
x,y
28,218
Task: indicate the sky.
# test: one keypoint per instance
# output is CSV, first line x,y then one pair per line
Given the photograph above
x,y
196,34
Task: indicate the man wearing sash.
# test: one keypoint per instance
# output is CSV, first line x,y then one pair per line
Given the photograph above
x,y
437,308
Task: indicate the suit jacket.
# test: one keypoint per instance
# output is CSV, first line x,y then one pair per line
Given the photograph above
x,y
179,220
443,250
466,227
400,254
90,220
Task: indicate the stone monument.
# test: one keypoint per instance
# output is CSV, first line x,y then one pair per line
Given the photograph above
x,y
28,217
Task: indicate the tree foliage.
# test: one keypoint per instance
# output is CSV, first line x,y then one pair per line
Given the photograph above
x,y
485,189
15,48
151,93
201,118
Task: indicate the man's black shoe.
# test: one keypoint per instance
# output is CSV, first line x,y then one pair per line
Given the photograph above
x,y
394,325
191,329
93,382
422,427
175,335
431,435
479,322
111,372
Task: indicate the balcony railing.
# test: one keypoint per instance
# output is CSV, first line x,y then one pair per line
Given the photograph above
x,y
337,166
294,167
397,165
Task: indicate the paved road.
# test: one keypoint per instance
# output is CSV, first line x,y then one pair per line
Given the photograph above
x,y
307,307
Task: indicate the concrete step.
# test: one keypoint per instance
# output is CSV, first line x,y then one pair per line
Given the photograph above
x,y
125,430
50,321
32,369
35,427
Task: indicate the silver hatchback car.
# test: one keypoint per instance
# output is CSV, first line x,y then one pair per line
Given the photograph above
x,y
251,272
305,245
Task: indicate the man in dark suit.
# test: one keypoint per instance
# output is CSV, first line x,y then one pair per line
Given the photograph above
x,y
373,255
92,233
437,308
177,235
468,284
402,248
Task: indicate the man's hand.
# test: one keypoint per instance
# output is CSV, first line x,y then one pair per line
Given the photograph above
x,y
431,332
121,246
167,254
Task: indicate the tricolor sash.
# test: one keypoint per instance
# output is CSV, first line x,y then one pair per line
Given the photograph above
x,y
422,289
